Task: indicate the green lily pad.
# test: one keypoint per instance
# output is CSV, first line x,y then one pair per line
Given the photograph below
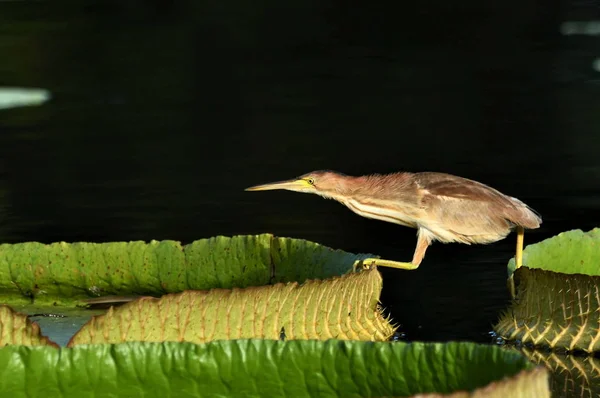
x,y
570,252
266,368
66,273
557,302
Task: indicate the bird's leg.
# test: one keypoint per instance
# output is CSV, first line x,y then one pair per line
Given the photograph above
x,y
519,255
423,242
518,260
369,262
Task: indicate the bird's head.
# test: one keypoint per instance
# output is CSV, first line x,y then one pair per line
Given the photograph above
x,y
324,183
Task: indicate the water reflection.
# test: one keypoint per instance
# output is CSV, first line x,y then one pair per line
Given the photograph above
x,y
571,376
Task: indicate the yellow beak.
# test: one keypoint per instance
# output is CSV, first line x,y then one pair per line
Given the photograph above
x,y
290,185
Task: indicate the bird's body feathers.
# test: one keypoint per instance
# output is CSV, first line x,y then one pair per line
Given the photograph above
x,y
447,207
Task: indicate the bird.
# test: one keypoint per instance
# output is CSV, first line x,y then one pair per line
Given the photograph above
x,y
442,207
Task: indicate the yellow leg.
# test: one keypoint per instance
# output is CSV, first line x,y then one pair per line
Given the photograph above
x,y
369,262
422,243
519,255
518,260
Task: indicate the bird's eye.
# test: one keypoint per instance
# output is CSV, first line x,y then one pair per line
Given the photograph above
x,y
311,181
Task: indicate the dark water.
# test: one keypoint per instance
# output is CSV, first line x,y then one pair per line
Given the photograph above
x,y
164,111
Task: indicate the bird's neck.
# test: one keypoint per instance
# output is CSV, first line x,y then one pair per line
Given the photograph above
x,y
375,185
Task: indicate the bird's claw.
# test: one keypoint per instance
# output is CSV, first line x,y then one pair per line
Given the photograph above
x,y
361,265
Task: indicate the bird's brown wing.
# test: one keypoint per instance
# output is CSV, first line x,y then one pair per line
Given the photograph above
x,y
470,208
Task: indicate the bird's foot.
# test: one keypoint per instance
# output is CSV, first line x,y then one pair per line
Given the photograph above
x,y
361,265
378,262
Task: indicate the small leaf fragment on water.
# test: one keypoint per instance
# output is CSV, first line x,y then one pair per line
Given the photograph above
x,y
13,97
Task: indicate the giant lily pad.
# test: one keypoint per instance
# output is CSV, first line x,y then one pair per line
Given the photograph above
x,y
571,252
266,368
558,300
67,273
341,307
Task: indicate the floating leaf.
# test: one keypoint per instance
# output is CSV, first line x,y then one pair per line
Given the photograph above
x,y
570,252
557,305
554,310
316,261
13,97
65,272
340,308
267,368
17,329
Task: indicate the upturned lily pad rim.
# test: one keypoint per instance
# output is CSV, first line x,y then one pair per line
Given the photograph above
x,y
260,368
344,307
67,273
569,252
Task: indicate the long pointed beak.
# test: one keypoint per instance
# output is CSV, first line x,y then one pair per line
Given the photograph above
x,y
290,185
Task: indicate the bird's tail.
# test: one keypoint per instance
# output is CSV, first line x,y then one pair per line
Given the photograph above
x,y
524,216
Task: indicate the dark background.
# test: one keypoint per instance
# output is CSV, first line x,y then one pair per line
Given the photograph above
x,y
164,111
